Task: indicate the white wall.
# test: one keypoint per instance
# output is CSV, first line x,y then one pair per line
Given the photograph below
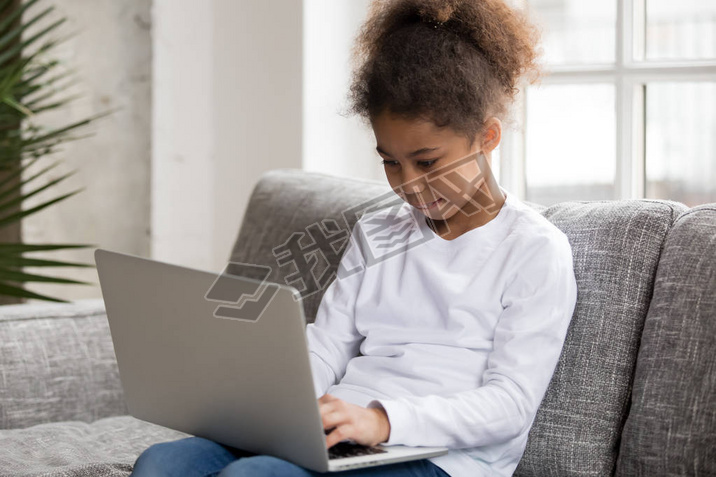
x,y
334,144
227,107
182,136
258,84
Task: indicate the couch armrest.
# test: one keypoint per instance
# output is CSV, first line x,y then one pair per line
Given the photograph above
x,y
57,363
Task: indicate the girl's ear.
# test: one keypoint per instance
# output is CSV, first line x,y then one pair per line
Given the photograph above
x,y
491,135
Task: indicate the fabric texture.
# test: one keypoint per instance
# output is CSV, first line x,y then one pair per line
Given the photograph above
x,y
671,428
492,306
106,447
616,246
58,364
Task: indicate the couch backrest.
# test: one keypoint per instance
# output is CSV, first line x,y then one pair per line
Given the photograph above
x,y
57,363
616,247
671,428
298,222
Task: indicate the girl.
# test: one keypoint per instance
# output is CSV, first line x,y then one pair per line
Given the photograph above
x,y
460,332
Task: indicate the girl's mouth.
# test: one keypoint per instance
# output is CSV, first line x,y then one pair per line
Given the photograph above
x,y
431,204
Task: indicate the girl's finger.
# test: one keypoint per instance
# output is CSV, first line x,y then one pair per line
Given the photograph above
x,y
327,398
333,417
325,408
337,435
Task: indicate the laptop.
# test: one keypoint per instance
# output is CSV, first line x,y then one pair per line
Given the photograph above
x,y
224,356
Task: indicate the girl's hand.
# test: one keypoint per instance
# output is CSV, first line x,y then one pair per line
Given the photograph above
x,y
349,421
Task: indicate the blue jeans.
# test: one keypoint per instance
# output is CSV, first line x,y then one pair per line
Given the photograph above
x,y
199,457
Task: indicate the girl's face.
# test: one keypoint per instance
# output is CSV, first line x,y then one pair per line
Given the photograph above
x,y
436,171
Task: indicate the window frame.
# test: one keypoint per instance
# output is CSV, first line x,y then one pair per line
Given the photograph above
x,y
630,75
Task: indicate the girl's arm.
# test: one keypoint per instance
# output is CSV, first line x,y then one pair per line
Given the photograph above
x,y
333,338
537,308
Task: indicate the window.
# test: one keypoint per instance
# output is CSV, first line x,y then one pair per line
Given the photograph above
x,y
627,107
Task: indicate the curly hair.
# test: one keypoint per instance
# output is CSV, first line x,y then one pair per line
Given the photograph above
x,y
453,62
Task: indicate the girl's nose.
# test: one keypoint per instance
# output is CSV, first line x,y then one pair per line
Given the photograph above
x,y
413,183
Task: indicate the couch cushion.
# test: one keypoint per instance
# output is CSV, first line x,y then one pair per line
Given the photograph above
x,y
671,428
57,363
105,448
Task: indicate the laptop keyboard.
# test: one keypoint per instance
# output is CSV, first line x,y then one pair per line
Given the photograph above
x,y
347,449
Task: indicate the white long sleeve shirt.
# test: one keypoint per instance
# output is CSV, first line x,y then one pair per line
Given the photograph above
x,y
459,338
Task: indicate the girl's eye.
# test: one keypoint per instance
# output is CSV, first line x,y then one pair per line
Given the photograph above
x,y
421,163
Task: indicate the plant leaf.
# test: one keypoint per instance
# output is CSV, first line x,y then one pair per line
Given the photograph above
x,y
7,21
21,198
56,132
8,248
11,52
18,215
16,33
47,91
20,261
17,276
19,171
45,107
11,290
19,107
31,84
22,169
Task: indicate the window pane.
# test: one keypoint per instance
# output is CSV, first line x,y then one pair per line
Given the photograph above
x,y
576,31
680,30
681,142
495,163
570,143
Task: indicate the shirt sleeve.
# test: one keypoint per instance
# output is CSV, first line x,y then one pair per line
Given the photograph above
x,y
333,338
538,302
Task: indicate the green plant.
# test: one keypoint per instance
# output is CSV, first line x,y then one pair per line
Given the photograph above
x,y
30,83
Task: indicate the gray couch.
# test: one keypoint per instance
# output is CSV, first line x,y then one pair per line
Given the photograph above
x,y
634,392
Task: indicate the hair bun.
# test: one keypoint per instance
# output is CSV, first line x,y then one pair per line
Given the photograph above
x,y
437,13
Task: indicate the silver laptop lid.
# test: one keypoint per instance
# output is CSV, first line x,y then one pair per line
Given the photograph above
x,y
183,367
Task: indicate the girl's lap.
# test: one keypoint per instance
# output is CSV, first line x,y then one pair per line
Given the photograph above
x,y
196,456
269,466
191,456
